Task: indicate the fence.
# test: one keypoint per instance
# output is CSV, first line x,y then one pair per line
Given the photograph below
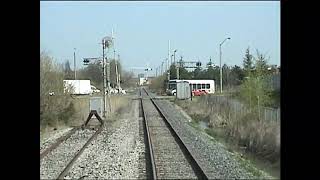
x,y
274,82
232,108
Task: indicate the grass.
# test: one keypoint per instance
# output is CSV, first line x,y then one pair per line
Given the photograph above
x,y
249,163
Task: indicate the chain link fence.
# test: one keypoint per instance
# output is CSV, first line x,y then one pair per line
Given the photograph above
x,y
232,109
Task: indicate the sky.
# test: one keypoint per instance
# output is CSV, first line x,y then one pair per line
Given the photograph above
x,y
142,30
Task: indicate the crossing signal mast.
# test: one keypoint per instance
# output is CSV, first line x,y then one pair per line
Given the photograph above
x,y
87,61
106,43
186,64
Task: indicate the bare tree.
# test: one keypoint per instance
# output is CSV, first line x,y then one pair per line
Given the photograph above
x,y
55,106
68,74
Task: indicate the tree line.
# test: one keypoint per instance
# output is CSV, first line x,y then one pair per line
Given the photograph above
x,y
231,75
93,72
56,107
251,81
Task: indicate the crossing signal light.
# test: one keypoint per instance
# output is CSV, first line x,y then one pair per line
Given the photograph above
x,y
86,61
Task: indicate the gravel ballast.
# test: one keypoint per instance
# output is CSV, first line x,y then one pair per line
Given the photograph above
x,y
54,163
52,137
214,158
115,153
170,161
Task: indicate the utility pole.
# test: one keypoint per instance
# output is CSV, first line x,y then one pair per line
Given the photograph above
x,y
116,64
220,70
115,61
220,64
74,63
168,53
168,64
119,73
174,56
108,74
161,68
104,80
174,62
178,66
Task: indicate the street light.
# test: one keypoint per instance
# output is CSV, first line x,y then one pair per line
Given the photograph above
x,y
220,64
167,64
171,60
74,63
162,68
174,56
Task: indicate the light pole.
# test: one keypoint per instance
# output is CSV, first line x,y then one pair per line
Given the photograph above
x,y
171,59
74,63
220,64
174,62
168,73
104,79
119,73
174,56
161,68
167,63
168,53
178,66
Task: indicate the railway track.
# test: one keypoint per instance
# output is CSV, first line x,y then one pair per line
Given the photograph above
x,y
57,143
168,157
64,162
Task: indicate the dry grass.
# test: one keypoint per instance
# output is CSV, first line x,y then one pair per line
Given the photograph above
x,y
262,138
119,105
81,106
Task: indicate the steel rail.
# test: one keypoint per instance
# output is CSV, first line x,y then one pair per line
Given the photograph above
x,y
66,169
149,144
194,163
57,143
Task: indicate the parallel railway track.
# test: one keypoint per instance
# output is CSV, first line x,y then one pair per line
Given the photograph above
x,y
60,140
57,143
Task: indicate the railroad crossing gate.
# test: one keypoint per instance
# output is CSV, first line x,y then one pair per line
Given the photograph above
x,y
96,103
